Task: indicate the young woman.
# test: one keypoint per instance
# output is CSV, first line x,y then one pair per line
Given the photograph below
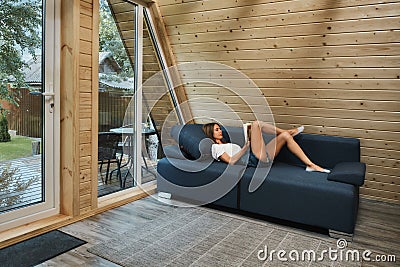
x,y
259,151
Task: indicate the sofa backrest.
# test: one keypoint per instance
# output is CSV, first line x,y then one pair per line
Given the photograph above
x,y
326,151
195,144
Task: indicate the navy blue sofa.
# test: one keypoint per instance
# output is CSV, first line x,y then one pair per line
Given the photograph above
x,y
287,192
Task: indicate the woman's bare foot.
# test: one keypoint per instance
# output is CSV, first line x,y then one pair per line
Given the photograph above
x,y
315,168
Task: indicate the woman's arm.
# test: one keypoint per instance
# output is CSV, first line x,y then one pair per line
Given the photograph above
x,y
232,160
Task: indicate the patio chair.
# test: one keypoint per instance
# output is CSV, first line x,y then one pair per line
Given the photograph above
x,y
125,145
107,152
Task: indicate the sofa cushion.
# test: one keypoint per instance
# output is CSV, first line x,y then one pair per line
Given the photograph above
x,y
325,151
349,173
290,193
173,151
199,181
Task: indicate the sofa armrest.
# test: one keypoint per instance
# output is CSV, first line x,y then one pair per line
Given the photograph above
x,y
349,173
175,152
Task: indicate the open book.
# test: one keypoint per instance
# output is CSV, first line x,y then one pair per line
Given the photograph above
x,y
247,131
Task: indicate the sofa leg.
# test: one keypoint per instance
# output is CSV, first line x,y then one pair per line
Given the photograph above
x,y
338,235
164,195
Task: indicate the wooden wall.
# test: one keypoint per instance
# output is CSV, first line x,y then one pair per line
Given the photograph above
x,y
332,66
79,93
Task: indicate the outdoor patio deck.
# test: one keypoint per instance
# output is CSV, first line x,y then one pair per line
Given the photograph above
x,y
30,167
26,169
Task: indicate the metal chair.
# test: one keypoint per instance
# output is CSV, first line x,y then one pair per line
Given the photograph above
x,y
125,145
107,152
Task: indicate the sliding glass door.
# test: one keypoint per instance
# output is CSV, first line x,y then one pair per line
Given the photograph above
x,y
29,107
131,107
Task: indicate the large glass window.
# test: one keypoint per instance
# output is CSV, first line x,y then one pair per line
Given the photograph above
x,y
28,89
134,58
116,88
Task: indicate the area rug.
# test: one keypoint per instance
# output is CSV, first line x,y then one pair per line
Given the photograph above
x,y
206,237
38,249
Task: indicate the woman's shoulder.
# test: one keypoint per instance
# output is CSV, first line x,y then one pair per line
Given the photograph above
x,y
224,144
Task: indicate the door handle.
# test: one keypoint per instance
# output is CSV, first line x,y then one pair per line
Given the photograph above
x,y
48,94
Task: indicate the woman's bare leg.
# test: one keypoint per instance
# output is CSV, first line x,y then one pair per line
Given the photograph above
x,y
259,148
269,128
277,143
256,140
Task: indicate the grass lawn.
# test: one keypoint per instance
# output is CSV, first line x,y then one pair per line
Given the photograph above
x,y
18,147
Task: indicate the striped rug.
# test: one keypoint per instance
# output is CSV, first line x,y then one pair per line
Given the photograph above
x,y
207,237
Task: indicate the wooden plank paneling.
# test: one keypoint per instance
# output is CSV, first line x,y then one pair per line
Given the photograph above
x,y
228,10
85,47
331,66
86,21
307,17
277,6
88,80
85,137
85,86
85,34
322,41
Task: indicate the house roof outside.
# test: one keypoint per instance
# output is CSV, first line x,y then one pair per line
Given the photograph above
x,y
33,73
107,63
113,81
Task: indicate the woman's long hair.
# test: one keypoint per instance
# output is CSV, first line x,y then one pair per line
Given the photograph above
x,y
208,129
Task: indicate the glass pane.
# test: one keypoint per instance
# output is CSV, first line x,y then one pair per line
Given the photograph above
x,y
21,104
157,104
116,87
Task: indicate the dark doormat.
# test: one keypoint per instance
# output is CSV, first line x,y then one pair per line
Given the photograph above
x,y
38,249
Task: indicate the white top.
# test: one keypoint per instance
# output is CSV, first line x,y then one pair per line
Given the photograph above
x,y
218,149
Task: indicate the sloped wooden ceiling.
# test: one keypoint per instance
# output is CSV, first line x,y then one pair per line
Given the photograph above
x,y
332,66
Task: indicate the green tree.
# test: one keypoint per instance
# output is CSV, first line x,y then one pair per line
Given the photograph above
x,y
110,40
20,24
4,135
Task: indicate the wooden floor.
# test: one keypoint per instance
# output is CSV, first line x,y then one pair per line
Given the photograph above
x,y
377,229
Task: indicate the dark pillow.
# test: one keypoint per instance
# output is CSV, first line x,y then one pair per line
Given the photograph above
x,y
193,141
348,172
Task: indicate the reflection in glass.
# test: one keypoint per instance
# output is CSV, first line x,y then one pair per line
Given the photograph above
x,y
21,105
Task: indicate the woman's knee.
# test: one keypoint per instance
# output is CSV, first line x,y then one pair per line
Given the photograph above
x,y
286,136
256,124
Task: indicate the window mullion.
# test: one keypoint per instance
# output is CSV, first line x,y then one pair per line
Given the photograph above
x,y
138,68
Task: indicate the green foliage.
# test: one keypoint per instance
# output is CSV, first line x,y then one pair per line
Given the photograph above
x,y
110,40
12,186
4,135
20,21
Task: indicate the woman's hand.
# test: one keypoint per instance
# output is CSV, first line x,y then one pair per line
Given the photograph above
x,y
232,160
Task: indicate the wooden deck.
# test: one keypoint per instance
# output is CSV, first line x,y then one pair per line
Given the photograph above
x,y
377,229
26,169
31,167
